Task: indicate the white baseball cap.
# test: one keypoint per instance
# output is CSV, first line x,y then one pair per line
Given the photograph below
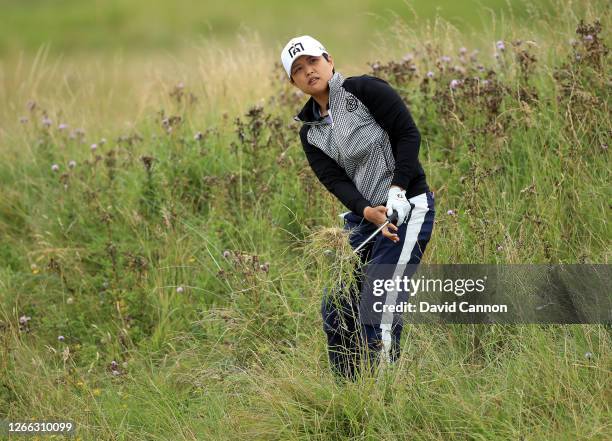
x,y
304,45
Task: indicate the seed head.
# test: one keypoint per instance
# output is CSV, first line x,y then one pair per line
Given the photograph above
x,y
72,164
46,121
60,338
24,319
180,289
462,50
55,167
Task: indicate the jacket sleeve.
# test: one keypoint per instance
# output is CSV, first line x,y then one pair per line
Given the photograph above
x,y
391,113
333,177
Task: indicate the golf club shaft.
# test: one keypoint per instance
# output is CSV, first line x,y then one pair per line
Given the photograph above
x,y
371,236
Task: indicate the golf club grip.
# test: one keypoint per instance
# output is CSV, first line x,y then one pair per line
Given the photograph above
x,y
393,218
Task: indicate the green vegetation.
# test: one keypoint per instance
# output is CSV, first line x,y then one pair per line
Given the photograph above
x,y
166,284
138,25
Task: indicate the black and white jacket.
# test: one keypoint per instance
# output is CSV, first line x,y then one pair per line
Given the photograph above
x,y
371,143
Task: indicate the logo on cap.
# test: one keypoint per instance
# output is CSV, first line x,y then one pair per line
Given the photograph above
x,y
295,48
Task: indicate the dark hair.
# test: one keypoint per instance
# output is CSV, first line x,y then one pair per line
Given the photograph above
x,y
326,56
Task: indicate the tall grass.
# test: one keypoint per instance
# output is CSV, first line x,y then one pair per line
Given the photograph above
x,y
166,285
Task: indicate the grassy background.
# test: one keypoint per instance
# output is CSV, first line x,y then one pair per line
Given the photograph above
x,y
133,257
74,26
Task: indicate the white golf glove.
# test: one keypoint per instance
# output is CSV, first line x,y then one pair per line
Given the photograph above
x,y
397,201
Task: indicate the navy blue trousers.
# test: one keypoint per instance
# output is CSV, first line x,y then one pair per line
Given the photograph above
x,y
351,343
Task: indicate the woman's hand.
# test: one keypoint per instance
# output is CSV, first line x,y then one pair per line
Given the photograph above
x,y
378,216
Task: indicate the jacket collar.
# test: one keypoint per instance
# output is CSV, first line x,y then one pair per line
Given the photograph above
x,y
306,115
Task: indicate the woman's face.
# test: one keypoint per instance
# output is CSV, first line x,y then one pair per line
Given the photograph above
x,y
310,74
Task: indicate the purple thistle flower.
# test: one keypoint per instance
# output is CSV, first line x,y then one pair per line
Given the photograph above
x,y
430,74
115,372
451,212
93,147
114,364
55,167
60,338
462,50
480,68
62,126
454,84
500,45
24,319
445,58
588,38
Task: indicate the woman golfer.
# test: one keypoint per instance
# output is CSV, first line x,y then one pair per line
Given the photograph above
x,y
362,144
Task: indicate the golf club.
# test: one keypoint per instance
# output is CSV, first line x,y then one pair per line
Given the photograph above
x,y
392,219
